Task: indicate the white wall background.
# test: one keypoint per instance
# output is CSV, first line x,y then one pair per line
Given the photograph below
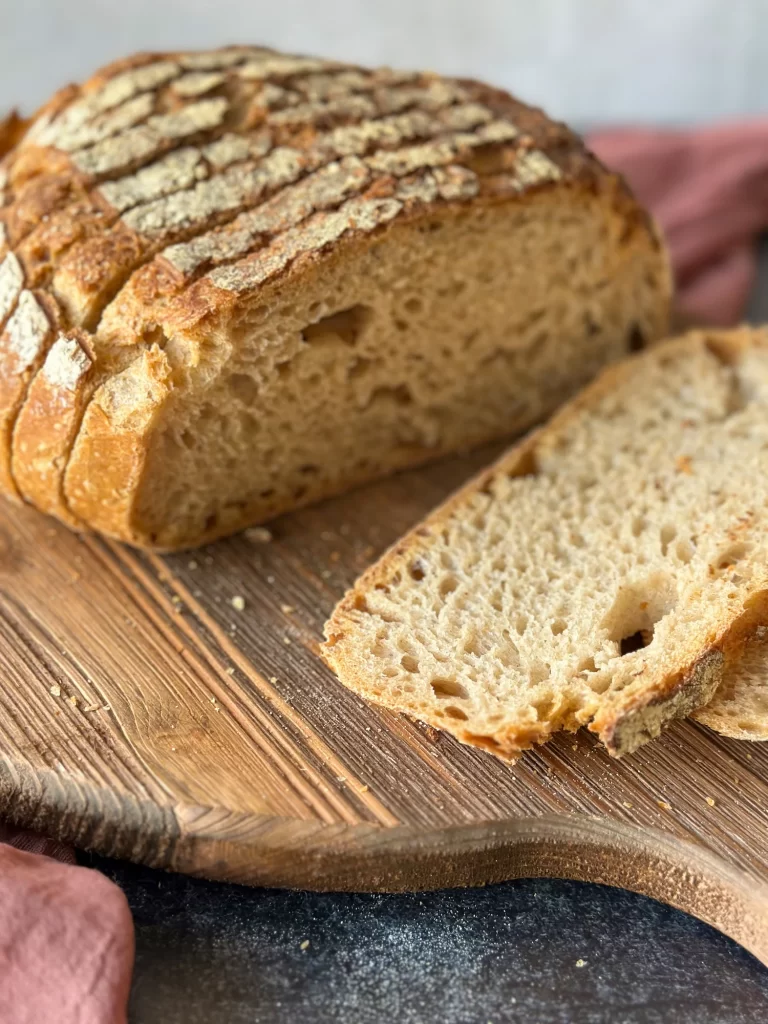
x,y
589,61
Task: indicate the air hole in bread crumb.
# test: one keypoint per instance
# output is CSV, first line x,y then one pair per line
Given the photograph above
x,y
358,367
538,672
399,396
413,305
446,561
635,642
685,550
417,570
543,707
243,388
521,624
454,712
668,534
359,603
636,339
637,609
444,688
409,663
346,325
447,585
188,439
558,626
477,644
586,665
730,557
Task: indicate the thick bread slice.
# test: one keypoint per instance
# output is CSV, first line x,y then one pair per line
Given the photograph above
x,y
601,573
272,277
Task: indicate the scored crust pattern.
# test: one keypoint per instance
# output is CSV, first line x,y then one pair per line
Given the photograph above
x,y
219,170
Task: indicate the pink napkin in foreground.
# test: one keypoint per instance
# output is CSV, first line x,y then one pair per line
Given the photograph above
x,y
66,937
708,189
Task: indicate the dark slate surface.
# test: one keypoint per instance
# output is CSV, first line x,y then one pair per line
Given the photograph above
x,y
216,954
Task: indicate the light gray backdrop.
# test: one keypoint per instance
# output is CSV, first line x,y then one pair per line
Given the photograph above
x,y
588,61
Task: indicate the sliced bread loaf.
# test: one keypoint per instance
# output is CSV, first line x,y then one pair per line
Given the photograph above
x,y
601,573
247,280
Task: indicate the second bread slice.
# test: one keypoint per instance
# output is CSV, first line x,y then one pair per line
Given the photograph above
x,y
601,573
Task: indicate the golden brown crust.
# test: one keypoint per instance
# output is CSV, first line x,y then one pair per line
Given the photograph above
x,y
624,723
12,129
169,188
48,423
115,424
23,344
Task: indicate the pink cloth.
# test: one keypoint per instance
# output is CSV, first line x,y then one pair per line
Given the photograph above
x,y
708,189
66,937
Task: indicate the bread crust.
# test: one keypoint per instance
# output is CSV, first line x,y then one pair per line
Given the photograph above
x,y
118,185
628,720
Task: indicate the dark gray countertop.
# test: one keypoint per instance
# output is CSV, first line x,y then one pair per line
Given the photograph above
x,y
538,951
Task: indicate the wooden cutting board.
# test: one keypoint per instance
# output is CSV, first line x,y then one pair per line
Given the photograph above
x,y
144,716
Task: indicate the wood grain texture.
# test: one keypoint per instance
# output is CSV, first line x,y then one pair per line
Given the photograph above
x,y
144,716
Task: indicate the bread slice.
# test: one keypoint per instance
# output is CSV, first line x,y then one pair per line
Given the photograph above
x,y
739,709
272,277
600,574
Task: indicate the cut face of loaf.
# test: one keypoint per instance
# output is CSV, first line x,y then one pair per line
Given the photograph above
x,y
602,573
257,279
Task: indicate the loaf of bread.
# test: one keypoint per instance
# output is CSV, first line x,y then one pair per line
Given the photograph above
x,y
608,571
238,281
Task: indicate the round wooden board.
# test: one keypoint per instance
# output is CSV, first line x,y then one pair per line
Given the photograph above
x,y
146,717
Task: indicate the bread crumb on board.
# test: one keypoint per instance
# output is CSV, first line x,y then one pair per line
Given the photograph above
x,y
711,801
304,944
56,690
664,805
287,609
238,603
258,535
581,963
